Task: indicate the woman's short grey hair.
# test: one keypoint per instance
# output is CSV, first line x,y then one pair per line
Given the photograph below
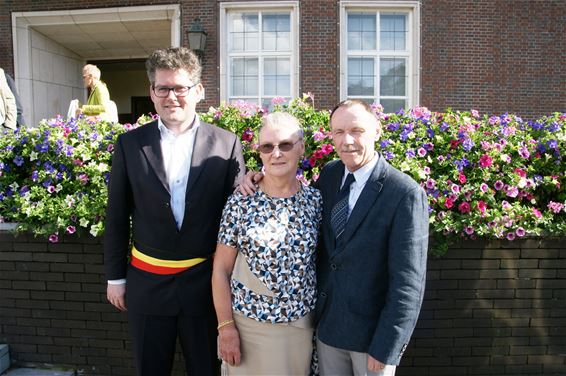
x,y
276,119
174,58
92,70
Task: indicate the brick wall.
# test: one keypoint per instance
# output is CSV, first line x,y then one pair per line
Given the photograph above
x,y
495,308
491,55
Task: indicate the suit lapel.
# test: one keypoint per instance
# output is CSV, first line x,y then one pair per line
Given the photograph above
x,y
151,146
201,152
366,200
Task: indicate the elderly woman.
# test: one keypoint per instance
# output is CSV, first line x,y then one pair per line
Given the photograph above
x,y
264,282
99,98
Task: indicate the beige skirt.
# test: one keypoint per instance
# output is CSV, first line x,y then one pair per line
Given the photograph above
x,y
272,349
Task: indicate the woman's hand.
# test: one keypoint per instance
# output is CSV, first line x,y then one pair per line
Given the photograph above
x,y
229,344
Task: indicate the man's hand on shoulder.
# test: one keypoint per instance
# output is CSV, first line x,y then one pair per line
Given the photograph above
x,y
247,185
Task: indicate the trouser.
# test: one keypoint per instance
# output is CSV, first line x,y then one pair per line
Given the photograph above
x,y
154,339
333,361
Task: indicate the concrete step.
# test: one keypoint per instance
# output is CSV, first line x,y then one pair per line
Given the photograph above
x,y
36,372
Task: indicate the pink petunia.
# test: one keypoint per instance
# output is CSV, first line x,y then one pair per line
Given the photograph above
x,y
511,236
51,189
464,207
71,229
512,191
448,203
506,205
455,188
482,206
486,161
318,136
53,238
421,152
484,188
462,178
430,184
469,230
520,231
498,185
537,213
555,207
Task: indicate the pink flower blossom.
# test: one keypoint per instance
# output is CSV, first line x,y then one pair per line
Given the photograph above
x,y
469,230
464,207
512,191
510,236
51,189
521,173
426,170
71,229
448,203
537,213
110,148
420,112
53,238
484,188
318,136
277,100
498,185
248,135
556,207
421,152
506,205
455,188
520,231
462,178
327,149
482,206
83,178
486,161
430,184
524,152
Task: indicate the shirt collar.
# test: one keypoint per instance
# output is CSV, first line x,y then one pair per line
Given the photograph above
x,y
363,173
167,133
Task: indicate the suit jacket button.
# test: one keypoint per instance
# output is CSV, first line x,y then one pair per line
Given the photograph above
x,y
323,295
167,204
333,267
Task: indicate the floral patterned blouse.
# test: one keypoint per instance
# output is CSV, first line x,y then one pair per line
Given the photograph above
x,y
278,238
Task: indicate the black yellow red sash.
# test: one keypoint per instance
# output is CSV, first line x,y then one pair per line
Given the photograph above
x,y
158,266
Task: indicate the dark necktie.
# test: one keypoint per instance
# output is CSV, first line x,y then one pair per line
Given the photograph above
x,y
339,214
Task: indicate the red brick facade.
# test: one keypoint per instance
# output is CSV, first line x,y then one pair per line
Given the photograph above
x,y
491,55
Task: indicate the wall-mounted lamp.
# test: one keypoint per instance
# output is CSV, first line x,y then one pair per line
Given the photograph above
x,y
197,37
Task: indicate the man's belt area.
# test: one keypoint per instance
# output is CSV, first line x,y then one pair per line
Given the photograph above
x,y
159,266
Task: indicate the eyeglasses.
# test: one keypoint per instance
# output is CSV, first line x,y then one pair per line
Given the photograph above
x,y
179,91
284,146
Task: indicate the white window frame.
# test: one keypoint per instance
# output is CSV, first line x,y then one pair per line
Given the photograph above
x,y
412,9
262,6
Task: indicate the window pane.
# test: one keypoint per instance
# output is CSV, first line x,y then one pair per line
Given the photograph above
x,y
361,31
392,76
276,32
244,76
277,77
361,79
393,31
392,105
244,32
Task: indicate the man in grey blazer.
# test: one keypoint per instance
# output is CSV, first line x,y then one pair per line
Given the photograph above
x,y
169,182
371,268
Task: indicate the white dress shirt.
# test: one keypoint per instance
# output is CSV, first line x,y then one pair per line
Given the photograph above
x,y
361,175
177,154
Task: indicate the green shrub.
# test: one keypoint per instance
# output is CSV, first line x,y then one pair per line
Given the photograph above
x,y
490,176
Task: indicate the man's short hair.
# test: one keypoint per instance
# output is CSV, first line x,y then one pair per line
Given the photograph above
x,y
353,102
174,58
92,70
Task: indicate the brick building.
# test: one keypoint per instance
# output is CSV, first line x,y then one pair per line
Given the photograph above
x,y
491,55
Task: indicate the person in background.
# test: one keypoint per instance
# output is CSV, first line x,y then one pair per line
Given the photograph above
x,y
99,97
168,185
20,109
264,280
8,109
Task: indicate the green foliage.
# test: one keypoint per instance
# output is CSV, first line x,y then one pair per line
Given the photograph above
x,y
490,176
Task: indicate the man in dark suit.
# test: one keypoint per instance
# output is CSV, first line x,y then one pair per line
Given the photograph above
x,y
169,182
373,247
